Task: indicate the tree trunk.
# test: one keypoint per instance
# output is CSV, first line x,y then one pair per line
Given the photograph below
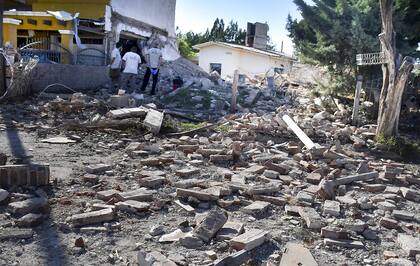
x,y
394,77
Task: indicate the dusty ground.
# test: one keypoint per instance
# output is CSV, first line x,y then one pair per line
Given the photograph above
x,y
54,240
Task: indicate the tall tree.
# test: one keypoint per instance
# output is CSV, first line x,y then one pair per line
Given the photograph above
x,y
395,75
332,32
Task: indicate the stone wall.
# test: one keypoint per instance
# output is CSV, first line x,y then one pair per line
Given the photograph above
x,y
77,77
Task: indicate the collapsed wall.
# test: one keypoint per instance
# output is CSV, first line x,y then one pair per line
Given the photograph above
x,y
157,23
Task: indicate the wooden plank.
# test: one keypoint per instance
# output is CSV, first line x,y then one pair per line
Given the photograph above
x,y
356,105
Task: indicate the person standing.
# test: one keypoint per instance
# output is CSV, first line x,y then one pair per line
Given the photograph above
x,y
154,59
115,66
130,62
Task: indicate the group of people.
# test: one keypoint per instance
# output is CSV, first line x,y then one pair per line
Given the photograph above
x,y
129,65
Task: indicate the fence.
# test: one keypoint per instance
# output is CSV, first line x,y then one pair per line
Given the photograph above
x,y
53,53
91,57
46,52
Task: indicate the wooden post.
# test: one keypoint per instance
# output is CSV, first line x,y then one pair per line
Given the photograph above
x,y
355,115
2,59
234,91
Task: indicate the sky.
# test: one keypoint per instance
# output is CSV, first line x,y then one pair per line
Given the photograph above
x,y
198,15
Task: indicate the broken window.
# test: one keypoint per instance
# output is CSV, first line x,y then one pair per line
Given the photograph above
x,y
216,67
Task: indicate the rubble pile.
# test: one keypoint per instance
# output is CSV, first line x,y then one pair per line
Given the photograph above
x,y
246,191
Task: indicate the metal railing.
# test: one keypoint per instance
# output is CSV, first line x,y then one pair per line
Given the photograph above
x,y
38,50
370,59
91,57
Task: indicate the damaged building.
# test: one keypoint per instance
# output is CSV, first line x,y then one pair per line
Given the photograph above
x,y
84,32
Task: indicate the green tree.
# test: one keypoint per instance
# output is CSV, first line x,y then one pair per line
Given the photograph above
x,y
332,32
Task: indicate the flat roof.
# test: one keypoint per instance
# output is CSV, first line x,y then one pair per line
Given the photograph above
x,y
244,48
27,13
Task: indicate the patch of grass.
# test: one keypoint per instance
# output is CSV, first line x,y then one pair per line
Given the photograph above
x,y
407,148
223,128
190,126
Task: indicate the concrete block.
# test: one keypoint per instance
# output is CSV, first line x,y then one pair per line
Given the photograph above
x,y
153,121
249,240
94,217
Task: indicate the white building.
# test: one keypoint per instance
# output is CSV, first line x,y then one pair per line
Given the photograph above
x,y
225,58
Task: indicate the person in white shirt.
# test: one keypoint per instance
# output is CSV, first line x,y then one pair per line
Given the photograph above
x,y
154,60
115,66
130,62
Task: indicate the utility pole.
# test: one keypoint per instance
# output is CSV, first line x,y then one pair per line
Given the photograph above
x,y
2,59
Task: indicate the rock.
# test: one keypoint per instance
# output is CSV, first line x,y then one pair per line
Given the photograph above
x,y
105,215
249,240
357,226
97,168
389,223
389,254
410,244
152,181
153,121
398,262
297,254
156,230
30,220
334,232
137,195
255,169
256,208
187,172
175,235
314,178
79,242
343,243
305,197
209,226
230,230
235,259
386,206
410,194
211,254
332,207
14,234
191,242
403,215
311,217
200,195
107,194
132,206
32,205
186,207
271,174
369,234
4,194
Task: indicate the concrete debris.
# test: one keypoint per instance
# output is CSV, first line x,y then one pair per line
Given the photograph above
x,y
211,224
32,205
249,240
297,254
176,171
153,121
105,215
410,244
58,140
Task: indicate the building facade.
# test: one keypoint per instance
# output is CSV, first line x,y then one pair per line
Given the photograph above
x,y
76,31
225,58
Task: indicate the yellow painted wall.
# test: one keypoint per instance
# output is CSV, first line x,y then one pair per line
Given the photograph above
x,y
93,9
40,25
10,34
